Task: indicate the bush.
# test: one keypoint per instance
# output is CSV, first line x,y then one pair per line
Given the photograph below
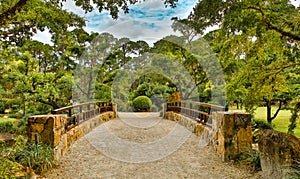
x,y
40,158
257,125
261,124
22,153
154,108
22,124
142,104
8,127
252,160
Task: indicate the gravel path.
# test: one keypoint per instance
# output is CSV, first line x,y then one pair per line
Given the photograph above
x,y
142,146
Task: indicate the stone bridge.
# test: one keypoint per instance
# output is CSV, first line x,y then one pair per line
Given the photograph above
x,y
188,140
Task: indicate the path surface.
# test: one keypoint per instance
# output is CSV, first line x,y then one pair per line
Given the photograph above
x,y
142,146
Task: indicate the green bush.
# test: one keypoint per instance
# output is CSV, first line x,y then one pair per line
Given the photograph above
x,y
154,108
251,159
142,104
8,127
261,124
22,124
40,158
257,125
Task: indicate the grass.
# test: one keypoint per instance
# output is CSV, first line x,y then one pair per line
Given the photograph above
x,y
2,119
281,122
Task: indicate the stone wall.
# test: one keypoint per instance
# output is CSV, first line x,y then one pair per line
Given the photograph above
x,y
230,134
279,154
51,130
190,124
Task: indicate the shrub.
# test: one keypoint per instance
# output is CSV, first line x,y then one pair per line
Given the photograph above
x,y
257,125
40,158
251,159
22,124
8,127
154,108
142,104
261,124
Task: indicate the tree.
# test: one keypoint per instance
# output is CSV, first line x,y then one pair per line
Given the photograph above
x,y
11,8
256,44
36,77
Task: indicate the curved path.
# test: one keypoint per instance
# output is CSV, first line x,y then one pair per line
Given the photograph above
x,y
142,145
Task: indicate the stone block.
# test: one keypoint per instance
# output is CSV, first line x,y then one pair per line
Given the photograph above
x,y
279,154
231,134
198,129
57,136
64,146
37,127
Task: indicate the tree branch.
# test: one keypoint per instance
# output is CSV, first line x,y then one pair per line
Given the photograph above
x,y
272,27
82,90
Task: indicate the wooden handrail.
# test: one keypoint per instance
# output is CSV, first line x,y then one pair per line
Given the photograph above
x,y
85,111
187,108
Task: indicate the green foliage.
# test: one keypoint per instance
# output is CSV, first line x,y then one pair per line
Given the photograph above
x,y
8,127
257,45
258,125
142,104
295,115
251,159
40,159
7,158
25,154
154,108
102,92
261,124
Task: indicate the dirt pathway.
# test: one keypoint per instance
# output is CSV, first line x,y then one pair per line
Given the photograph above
x,y
142,146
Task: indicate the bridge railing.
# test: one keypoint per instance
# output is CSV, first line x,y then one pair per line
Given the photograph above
x,y
198,111
81,112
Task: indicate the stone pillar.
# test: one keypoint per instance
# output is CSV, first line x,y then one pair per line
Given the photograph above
x,y
279,154
48,127
232,134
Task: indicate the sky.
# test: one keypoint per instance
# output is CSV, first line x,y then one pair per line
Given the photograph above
x,y
148,21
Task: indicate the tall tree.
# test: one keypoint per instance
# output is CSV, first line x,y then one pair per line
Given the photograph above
x,y
256,44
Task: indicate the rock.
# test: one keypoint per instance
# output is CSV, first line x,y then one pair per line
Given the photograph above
x,y
232,134
279,154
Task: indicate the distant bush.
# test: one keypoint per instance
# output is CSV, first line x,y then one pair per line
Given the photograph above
x,y
154,108
142,104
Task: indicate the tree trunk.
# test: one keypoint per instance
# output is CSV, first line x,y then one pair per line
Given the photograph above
x,y
269,110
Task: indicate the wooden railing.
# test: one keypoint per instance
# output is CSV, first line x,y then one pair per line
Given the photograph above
x,y
201,112
81,112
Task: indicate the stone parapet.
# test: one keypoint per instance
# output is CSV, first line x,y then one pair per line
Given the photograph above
x,y
232,134
51,130
199,129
